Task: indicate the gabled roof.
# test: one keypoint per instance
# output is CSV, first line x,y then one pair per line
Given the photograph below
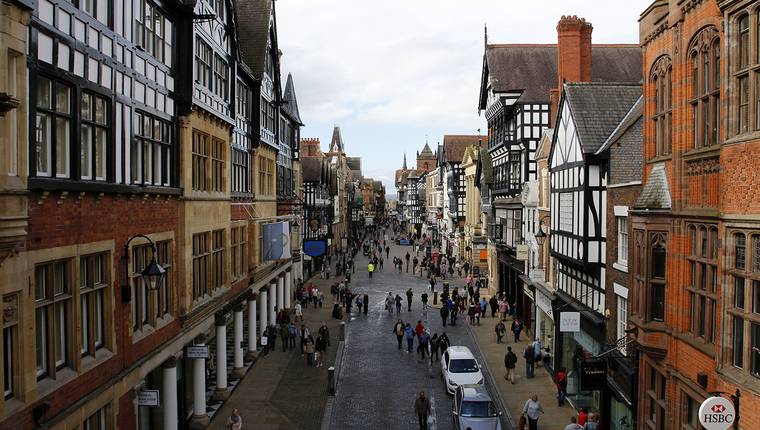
x,y
253,30
636,111
291,103
532,69
597,109
455,145
426,152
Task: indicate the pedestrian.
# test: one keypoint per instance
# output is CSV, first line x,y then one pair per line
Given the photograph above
x,y
538,350
409,295
483,307
532,411
284,335
370,269
582,417
510,361
419,328
443,342
299,312
409,332
235,421
516,329
500,330
271,337
321,348
592,423
398,304
407,262
573,424
423,342
398,330
308,348
387,251
434,347
503,307
478,311
444,314
561,379
494,306
324,332
366,303
415,262
359,303
530,360
422,409
293,335
424,299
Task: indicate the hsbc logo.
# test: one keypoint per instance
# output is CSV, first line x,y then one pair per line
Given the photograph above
x,y
717,413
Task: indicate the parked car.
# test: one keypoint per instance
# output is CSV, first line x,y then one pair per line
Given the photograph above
x,y
458,367
474,408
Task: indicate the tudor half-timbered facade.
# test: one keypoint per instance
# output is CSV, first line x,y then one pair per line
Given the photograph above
x,y
588,113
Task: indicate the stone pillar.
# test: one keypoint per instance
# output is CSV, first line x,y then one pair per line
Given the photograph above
x,y
252,327
237,370
200,417
169,394
221,392
288,288
280,292
272,303
263,307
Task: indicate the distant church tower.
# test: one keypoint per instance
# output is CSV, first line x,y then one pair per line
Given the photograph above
x,y
426,160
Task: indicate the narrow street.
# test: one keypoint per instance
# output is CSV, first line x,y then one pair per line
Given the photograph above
x,y
378,383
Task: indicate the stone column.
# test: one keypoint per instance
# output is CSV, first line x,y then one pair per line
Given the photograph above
x,y
263,307
252,327
169,394
288,288
221,392
280,292
237,370
272,303
200,417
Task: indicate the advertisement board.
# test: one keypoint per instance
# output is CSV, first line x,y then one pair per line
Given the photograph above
x,y
593,375
276,240
569,322
314,247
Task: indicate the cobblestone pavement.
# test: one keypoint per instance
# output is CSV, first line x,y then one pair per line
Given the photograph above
x,y
378,383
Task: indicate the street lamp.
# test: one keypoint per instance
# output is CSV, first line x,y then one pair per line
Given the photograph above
x,y
540,236
152,274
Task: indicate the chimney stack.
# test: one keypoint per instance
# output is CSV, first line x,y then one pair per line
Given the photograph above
x,y
573,50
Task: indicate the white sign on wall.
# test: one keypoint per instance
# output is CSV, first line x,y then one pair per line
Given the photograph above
x,y
147,398
522,252
569,322
717,413
197,351
544,303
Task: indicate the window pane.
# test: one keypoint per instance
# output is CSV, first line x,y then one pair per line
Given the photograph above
x,y
44,89
740,250
658,261
744,41
41,334
739,292
43,137
738,344
756,297
61,334
84,337
755,349
62,99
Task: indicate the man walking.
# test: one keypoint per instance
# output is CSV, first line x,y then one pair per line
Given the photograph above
x,y
444,314
500,330
422,408
409,295
398,330
366,303
370,269
510,361
407,262
424,298
530,359
387,251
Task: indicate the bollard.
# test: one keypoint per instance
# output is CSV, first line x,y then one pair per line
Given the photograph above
x,y
331,381
435,298
342,332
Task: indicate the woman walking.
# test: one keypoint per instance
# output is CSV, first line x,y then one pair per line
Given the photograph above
x,y
532,411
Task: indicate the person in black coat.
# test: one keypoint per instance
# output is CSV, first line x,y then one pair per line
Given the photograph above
x,y
443,342
366,303
444,314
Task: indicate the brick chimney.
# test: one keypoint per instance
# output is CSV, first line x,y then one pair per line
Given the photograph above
x,y
573,55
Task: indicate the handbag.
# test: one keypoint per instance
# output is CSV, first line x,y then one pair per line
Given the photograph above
x,y
523,422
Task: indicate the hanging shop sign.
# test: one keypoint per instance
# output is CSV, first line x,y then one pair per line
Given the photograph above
x,y
544,303
717,413
147,398
314,248
593,375
569,322
276,241
196,351
522,252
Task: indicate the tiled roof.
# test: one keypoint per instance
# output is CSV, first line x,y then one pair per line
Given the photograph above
x,y
532,69
455,145
253,32
655,194
597,109
636,111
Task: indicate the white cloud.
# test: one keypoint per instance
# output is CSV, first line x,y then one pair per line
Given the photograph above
x,y
412,67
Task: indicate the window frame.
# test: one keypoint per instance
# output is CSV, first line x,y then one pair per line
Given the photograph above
x,y
702,286
54,113
93,288
704,100
744,330
89,120
54,335
661,84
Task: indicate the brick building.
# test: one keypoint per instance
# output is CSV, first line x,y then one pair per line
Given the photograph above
x,y
695,294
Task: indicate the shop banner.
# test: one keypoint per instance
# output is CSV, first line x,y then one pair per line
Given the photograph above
x,y
593,375
276,241
569,322
544,303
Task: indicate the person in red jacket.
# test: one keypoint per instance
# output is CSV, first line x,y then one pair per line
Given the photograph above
x,y
582,417
419,328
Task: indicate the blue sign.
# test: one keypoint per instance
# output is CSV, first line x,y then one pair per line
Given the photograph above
x,y
314,248
404,242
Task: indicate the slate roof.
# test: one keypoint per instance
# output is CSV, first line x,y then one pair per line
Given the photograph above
x,y
291,102
311,168
597,109
636,111
655,194
532,69
354,163
455,145
253,32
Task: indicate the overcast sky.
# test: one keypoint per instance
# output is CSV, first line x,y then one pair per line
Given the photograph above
x,y
392,73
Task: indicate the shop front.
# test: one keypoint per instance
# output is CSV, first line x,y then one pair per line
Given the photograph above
x,y
574,347
512,286
545,322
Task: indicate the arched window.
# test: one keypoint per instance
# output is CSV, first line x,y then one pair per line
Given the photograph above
x,y
661,82
705,98
744,41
